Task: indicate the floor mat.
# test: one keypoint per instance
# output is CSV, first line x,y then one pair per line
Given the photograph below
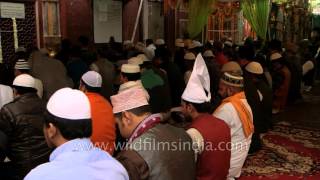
x,y
289,153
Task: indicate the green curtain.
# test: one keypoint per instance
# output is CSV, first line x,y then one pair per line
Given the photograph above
x,y
257,13
199,11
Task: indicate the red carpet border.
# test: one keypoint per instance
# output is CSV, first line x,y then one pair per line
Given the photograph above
x,y
288,153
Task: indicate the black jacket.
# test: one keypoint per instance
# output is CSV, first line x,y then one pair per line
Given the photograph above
x,y
22,122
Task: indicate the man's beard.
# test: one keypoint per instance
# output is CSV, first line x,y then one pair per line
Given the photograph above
x,y
187,118
224,95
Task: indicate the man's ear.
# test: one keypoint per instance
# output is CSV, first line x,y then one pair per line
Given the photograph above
x,y
190,107
230,91
127,117
52,130
82,87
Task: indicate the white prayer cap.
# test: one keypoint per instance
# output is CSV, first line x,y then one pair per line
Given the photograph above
x,y
254,68
232,66
24,80
92,78
308,66
208,53
198,87
232,79
275,56
69,104
130,68
228,43
135,61
143,58
160,42
140,46
195,44
22,64
189,56
129,99
21,49
179,43
211,42
127,42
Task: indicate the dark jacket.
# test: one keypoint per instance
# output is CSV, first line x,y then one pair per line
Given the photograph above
x,y
157,90
22,122
176,82
167,161
295,67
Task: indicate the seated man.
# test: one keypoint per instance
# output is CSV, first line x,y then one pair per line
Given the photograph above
x,y
103,123
159,145
21,121
259,97
67,127
130,77
6,94
236,112
22,67
281,79
210,134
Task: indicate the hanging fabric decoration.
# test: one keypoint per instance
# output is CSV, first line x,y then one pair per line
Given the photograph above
x,y
257,14
15,33
199,12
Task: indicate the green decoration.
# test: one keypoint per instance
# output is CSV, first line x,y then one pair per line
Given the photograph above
x,y
199,11
257,14
280,1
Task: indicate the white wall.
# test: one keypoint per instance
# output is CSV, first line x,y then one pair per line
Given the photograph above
x,y
107,20
153,20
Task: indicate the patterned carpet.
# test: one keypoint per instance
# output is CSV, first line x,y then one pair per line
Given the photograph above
x,y
289,153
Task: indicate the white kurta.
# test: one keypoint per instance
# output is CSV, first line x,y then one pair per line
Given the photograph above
x,y
6,95
152,49
39,87
197,141
240,144
78,159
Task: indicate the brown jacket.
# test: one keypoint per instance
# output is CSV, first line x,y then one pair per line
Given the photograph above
x,y
51,72
160,149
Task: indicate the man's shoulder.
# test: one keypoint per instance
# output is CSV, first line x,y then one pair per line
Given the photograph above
x,y
101,163
5,88
163,132
42,171
210,120
228,107
97,98
225,107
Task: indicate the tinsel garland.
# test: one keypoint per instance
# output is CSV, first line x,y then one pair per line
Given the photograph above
x,y
15,33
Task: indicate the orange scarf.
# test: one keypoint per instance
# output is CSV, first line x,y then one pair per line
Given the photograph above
x,y
243,112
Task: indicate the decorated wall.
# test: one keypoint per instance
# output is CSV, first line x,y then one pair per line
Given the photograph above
x,y
290,21
26,32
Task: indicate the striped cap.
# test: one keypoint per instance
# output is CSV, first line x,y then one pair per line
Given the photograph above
x,y
22,64
234,80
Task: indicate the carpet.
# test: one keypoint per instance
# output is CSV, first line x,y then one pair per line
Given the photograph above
x,y
290,152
